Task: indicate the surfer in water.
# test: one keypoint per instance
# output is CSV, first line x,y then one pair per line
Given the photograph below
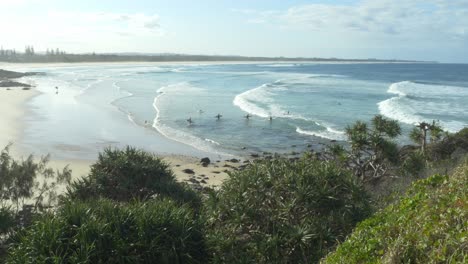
x,y
247,116
190,120
218,116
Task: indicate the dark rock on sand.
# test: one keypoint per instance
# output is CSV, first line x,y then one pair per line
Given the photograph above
x,y
13,75
189,171
254,155
14,84
193,181
234,160
205,160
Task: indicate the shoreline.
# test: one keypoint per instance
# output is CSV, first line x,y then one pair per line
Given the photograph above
x,y
13,107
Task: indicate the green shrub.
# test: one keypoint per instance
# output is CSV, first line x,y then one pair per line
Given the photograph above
x,y
7,219
448,145
130,173
103,231
413,164
428,225
29,182
373,150
283,212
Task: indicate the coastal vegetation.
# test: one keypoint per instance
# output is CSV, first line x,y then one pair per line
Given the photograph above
x,y
278,211
104,231
427,225
131,209
129,174
56,55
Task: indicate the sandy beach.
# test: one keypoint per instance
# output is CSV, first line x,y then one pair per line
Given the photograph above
x,y
12,109
186,169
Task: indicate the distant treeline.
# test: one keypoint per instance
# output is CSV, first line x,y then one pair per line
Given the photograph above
x,y
56,55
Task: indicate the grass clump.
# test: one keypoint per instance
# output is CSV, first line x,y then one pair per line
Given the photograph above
x,y
104,231
283,212
428,225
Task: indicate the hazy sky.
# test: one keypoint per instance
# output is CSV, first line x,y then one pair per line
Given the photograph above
x,y
387,29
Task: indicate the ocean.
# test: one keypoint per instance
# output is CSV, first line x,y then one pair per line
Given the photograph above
x,y
83,108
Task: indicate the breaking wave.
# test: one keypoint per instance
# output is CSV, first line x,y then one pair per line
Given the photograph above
x,y
416,102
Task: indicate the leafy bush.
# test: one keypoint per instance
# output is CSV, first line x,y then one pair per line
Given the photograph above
x,y
372,147
283,212
413,164
103,231
428,225
7,219
130,173
23,180
448,145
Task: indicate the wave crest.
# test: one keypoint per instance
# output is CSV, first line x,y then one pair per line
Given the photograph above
x,y
416,102
329,133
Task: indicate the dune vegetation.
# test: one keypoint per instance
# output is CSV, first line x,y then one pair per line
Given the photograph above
x,y
427,225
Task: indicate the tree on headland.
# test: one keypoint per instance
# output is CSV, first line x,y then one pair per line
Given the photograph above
x,y
419,133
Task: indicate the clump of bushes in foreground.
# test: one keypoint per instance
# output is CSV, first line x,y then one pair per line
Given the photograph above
x,y
283,212
123,175
103,231
428,225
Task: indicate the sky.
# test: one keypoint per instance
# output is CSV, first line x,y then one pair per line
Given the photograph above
x,y
432,30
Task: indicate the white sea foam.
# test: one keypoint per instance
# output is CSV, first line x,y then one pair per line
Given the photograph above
x,y
250,101
260,102
278,65
179,88
329,133
414,101
212,141
122,91
178,135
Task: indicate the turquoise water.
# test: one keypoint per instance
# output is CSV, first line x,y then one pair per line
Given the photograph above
x,y
292,106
